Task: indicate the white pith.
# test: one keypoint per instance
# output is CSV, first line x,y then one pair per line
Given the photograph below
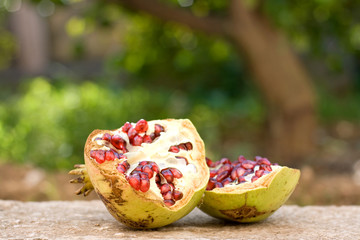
x,y
158,152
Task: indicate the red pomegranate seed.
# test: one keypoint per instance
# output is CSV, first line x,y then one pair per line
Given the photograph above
x,y
189,146
241,158
211,184
141,126
167,195
139,168
152,136
169,202
157,178
126,127
226,168
165,188
121,168
241,179
227,181
210,163
134,181
132,133
144,184
263,161
222,175
98,155
137,141
118,142
265,168
240,171
174,149
106,137
158,129
147,139
233,174
182,146
248,164
176,172
167,175
254,178
109,156
213,173
143,163
147,169
218,185
259,173
177,195
154,167
225,161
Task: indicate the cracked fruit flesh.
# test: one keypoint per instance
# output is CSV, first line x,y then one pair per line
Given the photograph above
x,y
148,174
250,199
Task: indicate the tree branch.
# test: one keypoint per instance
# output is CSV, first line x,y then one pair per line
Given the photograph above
x,y
211,25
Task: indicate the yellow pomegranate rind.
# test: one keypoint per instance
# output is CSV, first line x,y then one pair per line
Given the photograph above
x,y
252,202
131,207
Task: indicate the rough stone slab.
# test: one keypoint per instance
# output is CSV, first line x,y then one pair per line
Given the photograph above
x,y
90,220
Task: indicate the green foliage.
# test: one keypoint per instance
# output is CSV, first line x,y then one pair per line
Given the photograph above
x,y
47,125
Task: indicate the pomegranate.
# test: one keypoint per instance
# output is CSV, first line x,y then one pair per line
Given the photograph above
x,y
247,190
148,174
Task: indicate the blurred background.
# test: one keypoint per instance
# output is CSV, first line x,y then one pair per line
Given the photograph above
x,y
274,78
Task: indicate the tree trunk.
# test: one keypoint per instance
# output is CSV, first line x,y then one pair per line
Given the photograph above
x,y
286,88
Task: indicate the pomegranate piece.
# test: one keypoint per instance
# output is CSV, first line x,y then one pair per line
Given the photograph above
x,y
98,155
167,175
177,195
174,149
126,127
118,142
176,173
141,126
106,137
134,181
137,140
169,202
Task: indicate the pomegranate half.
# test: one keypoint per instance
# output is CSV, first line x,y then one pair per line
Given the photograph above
x,y
148,174
247,190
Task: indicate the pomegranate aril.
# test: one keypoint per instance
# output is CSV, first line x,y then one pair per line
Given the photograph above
x,y
225,161
98,155
147,139
158,129
176,173
248,164
182,146
157,178
121,168
189,146
152,136
109,156
118,142
141,126
132,133
225,168
209,162
126,127
174,149
263,161
144,184
154,167
139,168
147,169
227,181
241,158
106,137
167,175
233,174
254,178
169,202
240,171
241,179
143,163
165,188
177,195
137,140
134,181
211,184
222,175
259,173
265,168
167,195
213,173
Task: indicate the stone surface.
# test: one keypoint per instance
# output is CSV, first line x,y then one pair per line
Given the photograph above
x,y
90,220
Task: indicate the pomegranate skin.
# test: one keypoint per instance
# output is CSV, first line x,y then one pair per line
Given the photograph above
x,y
252,202
134,208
